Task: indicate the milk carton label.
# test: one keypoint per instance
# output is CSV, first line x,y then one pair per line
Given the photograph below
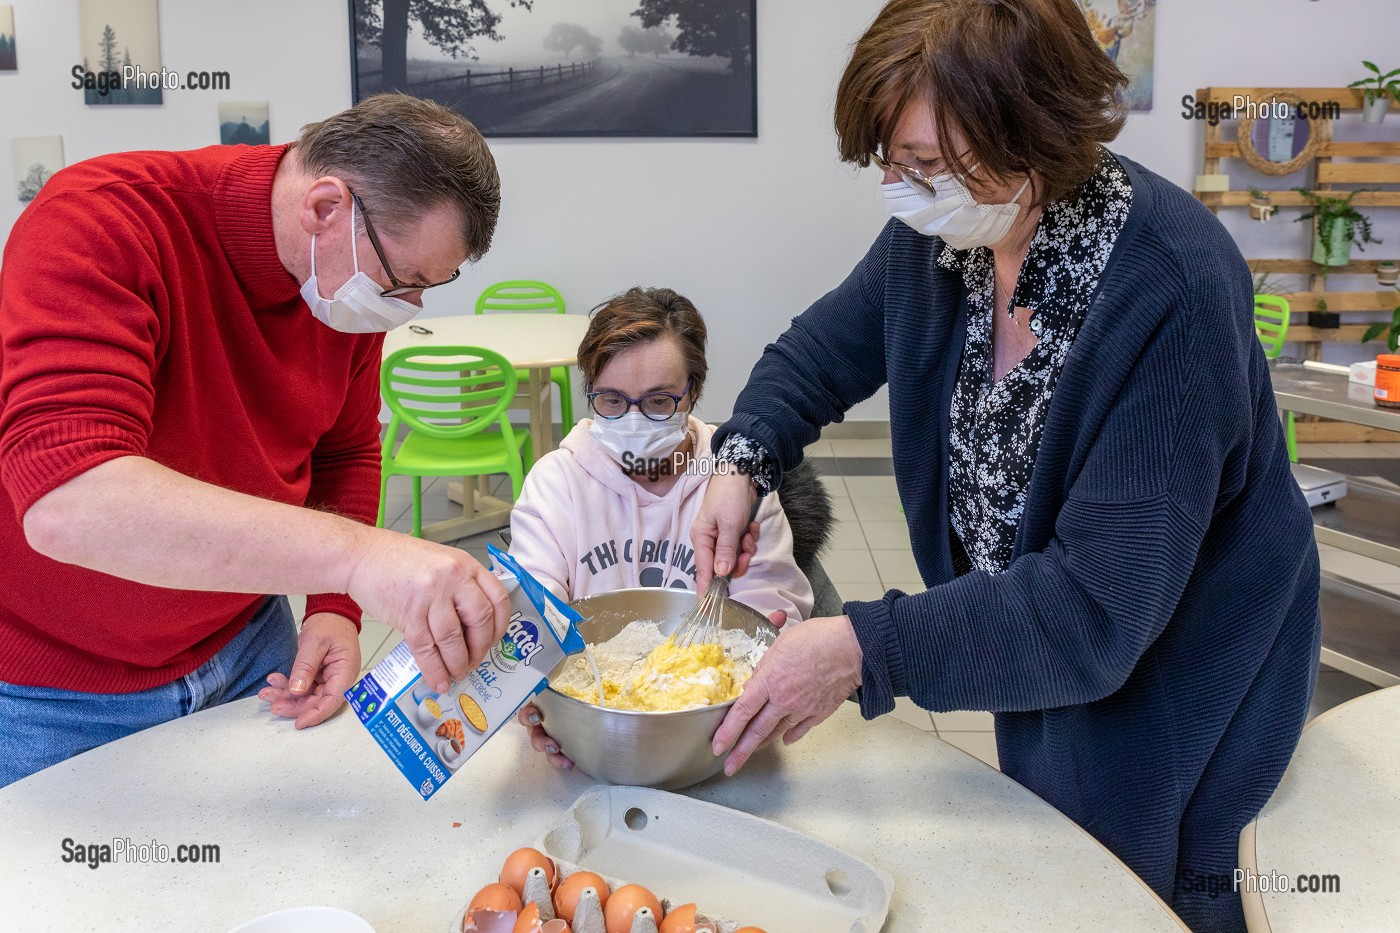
x,y
430,735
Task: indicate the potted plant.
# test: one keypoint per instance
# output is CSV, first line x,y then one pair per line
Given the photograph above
x,y
1390,329
1337,227
1377,90
1387,273
1323,319
1265,283
1261,207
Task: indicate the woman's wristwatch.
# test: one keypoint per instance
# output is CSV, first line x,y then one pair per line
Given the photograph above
x,y
750,458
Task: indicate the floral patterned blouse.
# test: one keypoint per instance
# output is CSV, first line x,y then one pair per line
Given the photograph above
x,y
996,427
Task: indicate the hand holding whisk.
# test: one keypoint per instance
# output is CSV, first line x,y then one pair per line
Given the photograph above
x,y
701,625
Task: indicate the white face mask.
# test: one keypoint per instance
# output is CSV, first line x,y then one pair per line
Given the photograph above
x,y
357,307
953,213
636,434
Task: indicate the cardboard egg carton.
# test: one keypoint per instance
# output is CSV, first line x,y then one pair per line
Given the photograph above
x,y
730,864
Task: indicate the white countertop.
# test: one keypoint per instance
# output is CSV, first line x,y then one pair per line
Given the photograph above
x,y
1335,813
321,817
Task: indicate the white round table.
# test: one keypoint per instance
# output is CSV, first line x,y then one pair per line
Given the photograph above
x,y
534,342
320,817
1328,835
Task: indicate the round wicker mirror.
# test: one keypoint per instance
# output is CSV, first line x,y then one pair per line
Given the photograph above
x,y
1265,140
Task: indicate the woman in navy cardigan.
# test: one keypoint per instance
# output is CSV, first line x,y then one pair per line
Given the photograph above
x,y
1118,562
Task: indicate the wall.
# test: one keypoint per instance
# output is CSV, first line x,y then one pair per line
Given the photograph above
x,y
751,230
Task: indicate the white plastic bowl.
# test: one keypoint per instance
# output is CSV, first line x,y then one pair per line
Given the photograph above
x,y
306,920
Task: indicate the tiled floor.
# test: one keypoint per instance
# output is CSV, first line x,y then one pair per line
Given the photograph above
x,y
870,554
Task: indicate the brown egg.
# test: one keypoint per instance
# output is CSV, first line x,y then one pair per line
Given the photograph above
x,y
528,920
680,920
518,865
748,930
495,897
624,903
566,897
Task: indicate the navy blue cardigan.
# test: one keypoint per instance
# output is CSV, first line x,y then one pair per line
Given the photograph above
x,y
1151,651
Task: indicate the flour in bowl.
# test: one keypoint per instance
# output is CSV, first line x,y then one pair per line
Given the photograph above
x,y
641,669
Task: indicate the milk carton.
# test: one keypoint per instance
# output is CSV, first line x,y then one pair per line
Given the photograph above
x,y
429,735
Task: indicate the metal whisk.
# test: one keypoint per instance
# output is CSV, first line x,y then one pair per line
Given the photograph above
x,y
701,626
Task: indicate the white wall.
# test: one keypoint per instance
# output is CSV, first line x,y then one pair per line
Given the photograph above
x,y
751,230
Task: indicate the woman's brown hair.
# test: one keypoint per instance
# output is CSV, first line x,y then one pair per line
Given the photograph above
x,y
640,315
1023,81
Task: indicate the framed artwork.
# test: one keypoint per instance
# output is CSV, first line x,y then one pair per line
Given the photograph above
x,y
244,123
566,68
36,159
1125,30
121,51
8,58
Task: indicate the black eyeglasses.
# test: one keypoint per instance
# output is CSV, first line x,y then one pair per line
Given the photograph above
x,y
654,406
399,288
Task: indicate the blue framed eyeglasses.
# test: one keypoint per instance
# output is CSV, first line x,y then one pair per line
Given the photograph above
x,y
654,406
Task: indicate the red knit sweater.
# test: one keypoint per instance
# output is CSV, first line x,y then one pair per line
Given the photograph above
x,y
144,311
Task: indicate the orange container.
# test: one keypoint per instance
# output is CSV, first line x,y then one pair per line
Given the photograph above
x,y
1388,380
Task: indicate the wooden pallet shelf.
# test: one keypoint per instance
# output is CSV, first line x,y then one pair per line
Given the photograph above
x,y
1347,333
1308,267
1331,149
1342,301
1290,198
1332,168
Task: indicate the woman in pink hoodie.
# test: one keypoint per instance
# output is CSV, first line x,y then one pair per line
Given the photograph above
x,y
612,507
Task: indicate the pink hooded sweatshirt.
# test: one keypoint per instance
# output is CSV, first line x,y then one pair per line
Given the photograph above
x,y
582,526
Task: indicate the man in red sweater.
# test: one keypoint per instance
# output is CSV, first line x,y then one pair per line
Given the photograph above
x,y
189,373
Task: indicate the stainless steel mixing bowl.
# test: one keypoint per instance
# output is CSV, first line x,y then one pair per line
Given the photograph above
x,y
663,750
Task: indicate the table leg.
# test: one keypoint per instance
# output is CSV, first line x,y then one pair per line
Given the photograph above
x,y
541,431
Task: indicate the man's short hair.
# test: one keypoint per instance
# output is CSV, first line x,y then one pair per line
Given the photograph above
x,y
403,156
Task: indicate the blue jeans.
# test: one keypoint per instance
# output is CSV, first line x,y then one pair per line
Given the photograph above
x,y
41,726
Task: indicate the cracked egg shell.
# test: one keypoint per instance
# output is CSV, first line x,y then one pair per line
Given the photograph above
x,y
529,922
566,896
623,905
488,921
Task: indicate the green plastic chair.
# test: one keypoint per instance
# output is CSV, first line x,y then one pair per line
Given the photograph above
x,y
454,401
526,295
1271,314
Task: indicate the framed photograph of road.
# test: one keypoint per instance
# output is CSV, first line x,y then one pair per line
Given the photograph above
x,y
566,67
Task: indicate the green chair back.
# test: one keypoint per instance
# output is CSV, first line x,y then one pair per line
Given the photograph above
x,y
1271,323
446,392
528,295
520,295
